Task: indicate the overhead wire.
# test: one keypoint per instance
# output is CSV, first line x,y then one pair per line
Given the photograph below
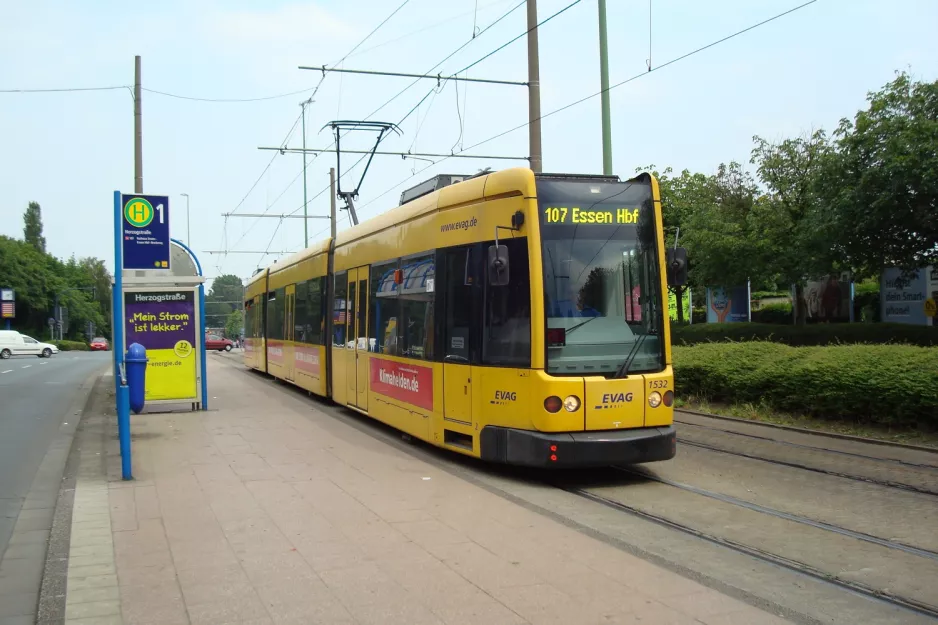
x,y
299,117
402,91
465,69
590,97
428,27
65,89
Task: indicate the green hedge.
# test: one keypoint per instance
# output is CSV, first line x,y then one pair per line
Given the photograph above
x,y
818,334
71,346
773,313
881,384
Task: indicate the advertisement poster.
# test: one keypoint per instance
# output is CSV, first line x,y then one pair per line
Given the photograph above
x,y
903,298
411,384
728,305
672,305
165,323
828,300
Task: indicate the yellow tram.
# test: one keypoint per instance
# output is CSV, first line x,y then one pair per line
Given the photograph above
x,y
511,316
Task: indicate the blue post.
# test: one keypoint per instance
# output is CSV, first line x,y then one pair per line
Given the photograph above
x,y
117,320
201,339
8,324
123,428
117,328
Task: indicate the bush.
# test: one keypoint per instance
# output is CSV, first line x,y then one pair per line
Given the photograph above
x,y
818,334
71,346
768,294
877,384
773,313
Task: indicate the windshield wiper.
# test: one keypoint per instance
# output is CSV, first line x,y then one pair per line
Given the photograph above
x,y
580,325
624,369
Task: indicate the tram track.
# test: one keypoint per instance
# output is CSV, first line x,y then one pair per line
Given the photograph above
x,y
796,465
895,461
765,556
843,531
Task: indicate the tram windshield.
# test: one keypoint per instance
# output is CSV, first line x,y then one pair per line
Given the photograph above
x,y
602,281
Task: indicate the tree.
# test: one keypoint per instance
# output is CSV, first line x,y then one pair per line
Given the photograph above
x,y
32,227
791,222
882,180
83,286
720,232
234,324
223,298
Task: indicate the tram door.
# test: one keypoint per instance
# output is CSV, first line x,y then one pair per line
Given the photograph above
x,y
289,314
357,359
458,304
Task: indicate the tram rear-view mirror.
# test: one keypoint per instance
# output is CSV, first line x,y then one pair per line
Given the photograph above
x,y
498,265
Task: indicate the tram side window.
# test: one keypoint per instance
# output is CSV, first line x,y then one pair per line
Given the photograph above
x,y
275,309
507,330
314,308
249,319
300,313
417,294
340,309
384,312
462,294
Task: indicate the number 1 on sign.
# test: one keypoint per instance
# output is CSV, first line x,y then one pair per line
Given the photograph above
x,y
159,209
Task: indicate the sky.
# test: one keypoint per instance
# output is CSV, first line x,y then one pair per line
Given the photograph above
x,y
70,150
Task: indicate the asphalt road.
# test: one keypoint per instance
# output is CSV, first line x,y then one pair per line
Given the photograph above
x,y
35,394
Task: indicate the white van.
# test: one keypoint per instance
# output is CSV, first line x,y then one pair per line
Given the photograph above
x,y
12,343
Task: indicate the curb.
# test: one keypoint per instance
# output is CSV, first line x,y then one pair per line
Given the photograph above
x,y
792,428
52,594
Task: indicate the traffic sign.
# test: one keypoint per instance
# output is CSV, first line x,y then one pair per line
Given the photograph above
x,y
931,308
7,295
145,232
7,310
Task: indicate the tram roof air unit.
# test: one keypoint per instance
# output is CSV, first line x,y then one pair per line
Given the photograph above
x,y
429,186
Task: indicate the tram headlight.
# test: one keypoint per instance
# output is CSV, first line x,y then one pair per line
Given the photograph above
x,y
552,404
668,398
571,403
654,399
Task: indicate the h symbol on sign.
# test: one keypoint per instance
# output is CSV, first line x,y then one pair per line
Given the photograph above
x,y
140,212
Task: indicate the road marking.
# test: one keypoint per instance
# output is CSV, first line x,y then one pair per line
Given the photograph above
x,y
43,363
26,366
7,371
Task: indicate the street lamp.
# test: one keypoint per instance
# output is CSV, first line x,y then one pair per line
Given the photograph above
x,y
188,232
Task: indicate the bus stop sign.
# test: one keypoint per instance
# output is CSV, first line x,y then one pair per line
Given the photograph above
x,y
145,232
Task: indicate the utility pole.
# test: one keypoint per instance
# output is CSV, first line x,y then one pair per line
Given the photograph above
x,y
188,231
138,130
332,197
305,220
604,82
534,90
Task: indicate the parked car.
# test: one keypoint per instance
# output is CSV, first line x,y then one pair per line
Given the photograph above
x,y
219,343
12,343
99,344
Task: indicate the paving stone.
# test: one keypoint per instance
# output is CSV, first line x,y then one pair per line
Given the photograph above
x,y
92,609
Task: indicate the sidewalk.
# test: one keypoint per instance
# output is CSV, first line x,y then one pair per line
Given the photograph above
x,y
267,510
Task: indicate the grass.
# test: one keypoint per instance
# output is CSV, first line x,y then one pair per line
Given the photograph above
x,y
765,414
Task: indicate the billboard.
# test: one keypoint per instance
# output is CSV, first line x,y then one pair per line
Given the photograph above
x,y
828,300
728,305
904,298
672,305
166,324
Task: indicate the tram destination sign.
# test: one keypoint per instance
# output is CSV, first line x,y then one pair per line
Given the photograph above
x,y
145,232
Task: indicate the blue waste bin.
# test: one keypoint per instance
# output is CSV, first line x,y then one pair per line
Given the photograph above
x,y
136,362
